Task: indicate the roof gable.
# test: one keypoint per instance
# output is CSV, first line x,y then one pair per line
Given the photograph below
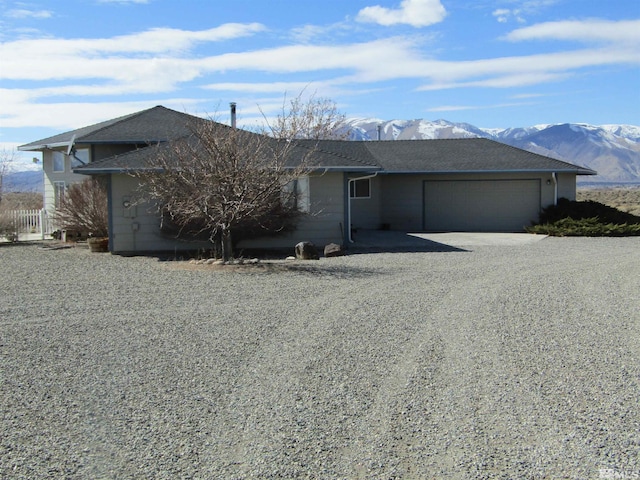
x,y
157,124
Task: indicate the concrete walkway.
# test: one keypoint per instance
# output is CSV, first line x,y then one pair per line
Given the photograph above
x,y
27,237
381,240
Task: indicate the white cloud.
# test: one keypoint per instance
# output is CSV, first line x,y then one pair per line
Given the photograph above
x,y
417,13
458,108
529,95
502,15
160,61
625,31
501,81
310,33
153,41
521,10
271,87
24,13
64,116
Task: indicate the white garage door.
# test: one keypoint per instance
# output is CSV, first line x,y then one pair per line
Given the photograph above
x,y
480,205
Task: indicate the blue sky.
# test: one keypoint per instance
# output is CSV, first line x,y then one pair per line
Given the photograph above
x,y
65,64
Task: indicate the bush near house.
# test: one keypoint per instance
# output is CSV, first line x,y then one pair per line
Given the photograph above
x,y
585,219
84,208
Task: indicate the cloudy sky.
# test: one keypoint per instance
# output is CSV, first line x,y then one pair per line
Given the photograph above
x,y
65,64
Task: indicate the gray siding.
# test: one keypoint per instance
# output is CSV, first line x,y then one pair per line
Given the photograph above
x,y
138,228
567,186
365,212
325,221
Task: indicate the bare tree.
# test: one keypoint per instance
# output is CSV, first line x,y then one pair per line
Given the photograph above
x,y
226,183
84,208
317,118
7,159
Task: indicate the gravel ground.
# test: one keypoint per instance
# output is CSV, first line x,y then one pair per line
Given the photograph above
x,y
500,362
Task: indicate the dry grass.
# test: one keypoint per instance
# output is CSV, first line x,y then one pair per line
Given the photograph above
x,y
626,199
21,201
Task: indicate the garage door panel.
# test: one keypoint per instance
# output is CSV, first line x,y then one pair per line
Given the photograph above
x,y
480,205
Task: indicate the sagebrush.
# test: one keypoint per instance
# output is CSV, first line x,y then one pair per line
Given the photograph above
x,y
84,208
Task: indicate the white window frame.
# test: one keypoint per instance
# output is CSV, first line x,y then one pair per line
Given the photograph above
x,y
56,158
59,190
353,188
301,195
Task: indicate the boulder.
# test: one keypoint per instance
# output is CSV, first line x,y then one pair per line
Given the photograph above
x,y
306,251
333,250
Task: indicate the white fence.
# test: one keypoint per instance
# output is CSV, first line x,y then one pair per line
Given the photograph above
x,y
32,223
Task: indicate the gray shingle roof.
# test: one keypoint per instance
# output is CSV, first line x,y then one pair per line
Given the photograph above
x,y
447,156
313,157
156,124
462,155
160,124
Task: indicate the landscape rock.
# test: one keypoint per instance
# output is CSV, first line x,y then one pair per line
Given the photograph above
x,y
333,250
306,251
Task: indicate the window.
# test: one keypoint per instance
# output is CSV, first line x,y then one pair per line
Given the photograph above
x,y
58,193
360,188
80,157
297,191
58,161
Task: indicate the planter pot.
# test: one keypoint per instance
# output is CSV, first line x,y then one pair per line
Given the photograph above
x,y
98,244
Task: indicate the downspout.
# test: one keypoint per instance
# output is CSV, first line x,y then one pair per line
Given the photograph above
x,y
555,188
348,226
110,207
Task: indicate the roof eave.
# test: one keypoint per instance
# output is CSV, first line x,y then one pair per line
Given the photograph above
x,y
320,168
578,171
43,146
115,170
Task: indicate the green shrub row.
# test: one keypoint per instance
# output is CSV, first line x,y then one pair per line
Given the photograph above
x,y
585,219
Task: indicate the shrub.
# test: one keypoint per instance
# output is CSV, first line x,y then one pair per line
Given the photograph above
x,y
84,208
7,225
587,219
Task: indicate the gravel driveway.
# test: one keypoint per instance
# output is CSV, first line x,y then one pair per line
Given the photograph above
x,y
497,362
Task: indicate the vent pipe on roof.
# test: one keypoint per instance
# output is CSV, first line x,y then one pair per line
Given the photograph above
x,y
233,114
379,132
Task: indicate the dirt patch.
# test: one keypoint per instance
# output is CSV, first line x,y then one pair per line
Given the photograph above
x,y
626,199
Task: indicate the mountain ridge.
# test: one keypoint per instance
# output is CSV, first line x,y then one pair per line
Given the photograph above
x,y
612,150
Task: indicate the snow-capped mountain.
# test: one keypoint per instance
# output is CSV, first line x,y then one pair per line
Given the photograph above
x,y
612,150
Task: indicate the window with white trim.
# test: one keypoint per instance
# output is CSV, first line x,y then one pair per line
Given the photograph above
x,y
58,193
360,188
297,191
58,161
